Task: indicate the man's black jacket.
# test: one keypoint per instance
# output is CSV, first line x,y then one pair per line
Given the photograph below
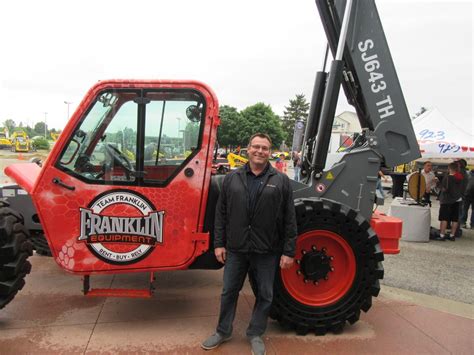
x,y
271,229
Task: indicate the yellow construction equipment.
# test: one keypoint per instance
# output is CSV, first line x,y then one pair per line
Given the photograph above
x,y
55,136
4,140
20,142
237,158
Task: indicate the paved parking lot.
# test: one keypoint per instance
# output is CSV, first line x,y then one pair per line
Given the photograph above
x,y
50,315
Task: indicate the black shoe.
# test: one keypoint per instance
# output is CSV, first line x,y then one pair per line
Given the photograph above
x,y
440,238
450,237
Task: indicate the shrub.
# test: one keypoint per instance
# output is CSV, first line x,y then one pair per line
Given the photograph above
x,y
40,143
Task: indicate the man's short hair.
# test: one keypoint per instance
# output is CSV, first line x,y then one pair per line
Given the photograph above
x,y
427,162
260,135
462,163
453,166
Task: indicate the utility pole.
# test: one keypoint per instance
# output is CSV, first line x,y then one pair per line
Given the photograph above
x,y
45,131
67,103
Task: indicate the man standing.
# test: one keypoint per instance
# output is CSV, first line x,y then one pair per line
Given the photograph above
x,y
297,164
468,202
430,180
255,231
451,192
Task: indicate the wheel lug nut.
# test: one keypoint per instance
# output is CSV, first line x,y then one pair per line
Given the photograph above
x,y
332,269
314,247
303,252
298,272
298,261
326,278
316,283
305,281
331,258
324,250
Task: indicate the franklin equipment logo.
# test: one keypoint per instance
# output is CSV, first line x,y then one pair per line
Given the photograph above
x,y
121,227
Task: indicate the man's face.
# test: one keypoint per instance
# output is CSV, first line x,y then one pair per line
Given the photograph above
x,y
259,151
428,167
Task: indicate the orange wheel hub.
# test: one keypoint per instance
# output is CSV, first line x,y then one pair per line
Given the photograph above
x,y
324,269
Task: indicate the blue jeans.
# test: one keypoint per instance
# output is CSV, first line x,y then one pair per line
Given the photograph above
x,y
464,211
297,173
262,268
379,187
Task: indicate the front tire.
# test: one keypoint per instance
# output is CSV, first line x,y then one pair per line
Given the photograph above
x,y
14,252
336,272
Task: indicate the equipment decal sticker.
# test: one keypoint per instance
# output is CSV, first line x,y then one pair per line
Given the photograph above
x,y
121,227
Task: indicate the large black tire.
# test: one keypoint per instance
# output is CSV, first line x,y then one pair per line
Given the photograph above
x,y
322,298
40,244
15,248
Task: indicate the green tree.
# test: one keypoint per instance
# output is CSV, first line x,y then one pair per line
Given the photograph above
x,y
228,134
296,110
10,125
191,135
260,118
40,129
29,131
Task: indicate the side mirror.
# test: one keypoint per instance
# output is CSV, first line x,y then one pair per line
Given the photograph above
x,y
193,113
70,153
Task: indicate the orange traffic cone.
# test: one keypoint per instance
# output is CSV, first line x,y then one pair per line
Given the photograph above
x,y
20,157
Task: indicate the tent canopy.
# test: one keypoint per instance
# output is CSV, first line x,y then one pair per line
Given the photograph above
x,y
440,138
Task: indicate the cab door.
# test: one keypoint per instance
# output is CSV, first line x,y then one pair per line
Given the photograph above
x,y
125,187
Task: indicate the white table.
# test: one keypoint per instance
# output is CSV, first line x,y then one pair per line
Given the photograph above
x,y
416,219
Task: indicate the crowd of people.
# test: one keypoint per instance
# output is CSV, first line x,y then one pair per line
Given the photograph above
x,y
456,197
455,193
282,166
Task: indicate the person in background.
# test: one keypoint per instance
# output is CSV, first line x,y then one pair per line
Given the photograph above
x,y
430,179
449,199
297,163
462,169
379,187
468,202
280,164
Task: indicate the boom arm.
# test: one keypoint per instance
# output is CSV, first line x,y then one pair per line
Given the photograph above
x,y
370,83
364,67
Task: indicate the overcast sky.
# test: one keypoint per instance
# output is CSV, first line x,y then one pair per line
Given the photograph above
x,y
248,51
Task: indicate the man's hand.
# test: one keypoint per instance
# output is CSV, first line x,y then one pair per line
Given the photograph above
x,y
220,254
285,262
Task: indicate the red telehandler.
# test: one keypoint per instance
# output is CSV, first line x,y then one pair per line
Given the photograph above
x,y
128,185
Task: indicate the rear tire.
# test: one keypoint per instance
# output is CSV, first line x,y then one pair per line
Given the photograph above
x,y
336,272
15,248
40,244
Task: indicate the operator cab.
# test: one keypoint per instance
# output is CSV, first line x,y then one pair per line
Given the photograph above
x,y
135,137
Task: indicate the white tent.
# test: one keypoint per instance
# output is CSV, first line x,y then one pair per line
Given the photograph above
x,y
440,138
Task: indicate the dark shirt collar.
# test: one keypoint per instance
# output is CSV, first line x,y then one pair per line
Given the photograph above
x,y
249,172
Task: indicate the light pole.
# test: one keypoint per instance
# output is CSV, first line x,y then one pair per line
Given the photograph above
x,y
67,103
45,115
179,124
184,141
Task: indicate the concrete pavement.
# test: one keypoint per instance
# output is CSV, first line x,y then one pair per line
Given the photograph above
x,y
51,316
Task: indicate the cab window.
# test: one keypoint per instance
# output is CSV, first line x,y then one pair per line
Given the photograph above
x,y
135,137
172,131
